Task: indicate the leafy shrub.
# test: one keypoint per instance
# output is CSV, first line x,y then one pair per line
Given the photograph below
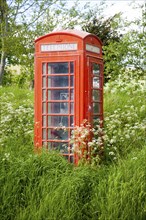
x,y
125,111
16,120
124,123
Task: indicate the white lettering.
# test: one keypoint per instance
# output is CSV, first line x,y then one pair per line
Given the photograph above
x,y
58,47
92,48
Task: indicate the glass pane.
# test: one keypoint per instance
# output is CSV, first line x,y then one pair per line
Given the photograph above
x,y
58,107
57,134
72,94
96,107
57,121
44,81
44,69
44,134
44,121
71,81
72,159
63,107
71,121
58,94
45,144
71,107
62,147
96,120
96,69
58,81
44,107
95,82
95,95
72,67
44,94
71,132
57,68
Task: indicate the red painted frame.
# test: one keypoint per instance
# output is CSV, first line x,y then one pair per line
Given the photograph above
x,y
83,59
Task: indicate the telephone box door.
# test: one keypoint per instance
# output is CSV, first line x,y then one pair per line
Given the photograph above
x,y
59,80
95,90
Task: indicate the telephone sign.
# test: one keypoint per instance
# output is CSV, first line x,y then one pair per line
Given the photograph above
x,y
92,48
58,47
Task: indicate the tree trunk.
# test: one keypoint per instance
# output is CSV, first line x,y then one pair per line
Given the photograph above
x,y
2,66
4,9
4,29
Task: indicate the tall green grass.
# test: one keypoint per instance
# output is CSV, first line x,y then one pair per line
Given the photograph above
x,y
46,186
122,195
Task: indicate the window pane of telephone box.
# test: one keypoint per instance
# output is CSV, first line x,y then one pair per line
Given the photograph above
x,y
44,135
58,68
96,69
95,95
58,107
71,81
44,121
96,107
71,67
72,159
71,107
44,107
61,147
44,81
44,69
58,94
44,94
45,144
96,120
57,134
57,81
72,94
71,121
96,82
57,121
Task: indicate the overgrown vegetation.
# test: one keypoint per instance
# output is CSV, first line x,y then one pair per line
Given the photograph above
x,y
124,122
125,115
16,116
46,186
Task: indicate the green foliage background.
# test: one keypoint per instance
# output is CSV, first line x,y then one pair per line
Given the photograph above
x,y
123,41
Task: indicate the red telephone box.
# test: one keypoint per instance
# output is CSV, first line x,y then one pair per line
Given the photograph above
x,y
68,87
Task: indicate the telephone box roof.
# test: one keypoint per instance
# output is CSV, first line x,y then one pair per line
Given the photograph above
x,y
80,34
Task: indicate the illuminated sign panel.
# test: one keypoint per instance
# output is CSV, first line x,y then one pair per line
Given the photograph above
x,y
58,47
92,48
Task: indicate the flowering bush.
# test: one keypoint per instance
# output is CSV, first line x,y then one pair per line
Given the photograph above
x,y
123,130
88,142
80,138
16,120
124,126
126,82
124,122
